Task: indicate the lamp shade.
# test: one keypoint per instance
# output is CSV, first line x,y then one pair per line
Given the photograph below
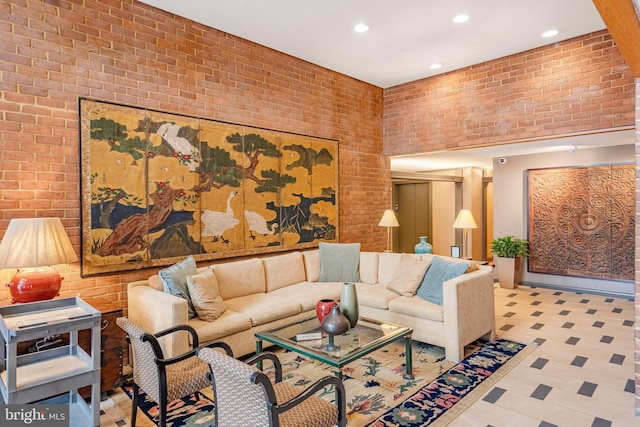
x,y
34,242
389,219
465,220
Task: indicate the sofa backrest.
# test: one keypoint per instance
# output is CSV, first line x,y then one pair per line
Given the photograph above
x,y
283,270
312,264
240,278
369,262
388,264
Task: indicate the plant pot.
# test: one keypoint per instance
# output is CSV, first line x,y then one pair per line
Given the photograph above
x,y
509,271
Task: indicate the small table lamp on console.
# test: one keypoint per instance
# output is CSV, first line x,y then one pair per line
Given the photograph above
x,y
389,220
32,245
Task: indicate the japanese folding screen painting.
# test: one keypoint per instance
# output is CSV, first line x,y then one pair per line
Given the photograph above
x,y
157,187
582,221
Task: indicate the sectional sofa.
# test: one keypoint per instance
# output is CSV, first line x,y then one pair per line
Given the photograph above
x,y
266,292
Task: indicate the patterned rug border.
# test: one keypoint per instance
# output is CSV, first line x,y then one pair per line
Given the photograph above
x,y
484,387
444,419
478,391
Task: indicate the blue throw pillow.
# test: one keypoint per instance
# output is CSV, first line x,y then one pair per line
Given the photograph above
x,y
174,280
439,272
339,262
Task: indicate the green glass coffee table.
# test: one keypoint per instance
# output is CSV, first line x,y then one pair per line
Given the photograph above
x,y
367,336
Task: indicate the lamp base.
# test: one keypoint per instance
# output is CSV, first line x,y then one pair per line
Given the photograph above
x,y
34,284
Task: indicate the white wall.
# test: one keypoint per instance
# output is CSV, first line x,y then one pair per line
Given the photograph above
x,y
510,204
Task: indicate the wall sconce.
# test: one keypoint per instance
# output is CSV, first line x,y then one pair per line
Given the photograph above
x,y
389,220
466,222
32,245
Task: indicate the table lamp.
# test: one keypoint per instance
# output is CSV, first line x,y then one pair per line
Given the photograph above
x,y
466,222
389,220
32,245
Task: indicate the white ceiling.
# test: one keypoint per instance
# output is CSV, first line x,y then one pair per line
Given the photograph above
x,y
483,157
404,39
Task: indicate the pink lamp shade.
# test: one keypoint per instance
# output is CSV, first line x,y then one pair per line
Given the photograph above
x,y
32,245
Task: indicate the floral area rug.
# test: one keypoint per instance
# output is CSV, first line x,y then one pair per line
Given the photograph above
x,y
377,395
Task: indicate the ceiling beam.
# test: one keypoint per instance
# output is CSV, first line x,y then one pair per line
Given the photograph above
x,y
621,19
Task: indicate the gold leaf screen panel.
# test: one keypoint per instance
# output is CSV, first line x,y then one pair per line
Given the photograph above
x,y
157,187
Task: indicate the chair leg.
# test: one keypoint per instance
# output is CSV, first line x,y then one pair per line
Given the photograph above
x,y
134,404
163,410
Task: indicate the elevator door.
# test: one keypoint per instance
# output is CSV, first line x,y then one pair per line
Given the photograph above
x,y
413,203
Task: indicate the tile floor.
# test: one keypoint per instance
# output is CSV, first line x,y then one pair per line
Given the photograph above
x,y
581,373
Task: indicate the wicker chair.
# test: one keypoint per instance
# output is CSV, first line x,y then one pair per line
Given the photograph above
x,y
164,380
245,396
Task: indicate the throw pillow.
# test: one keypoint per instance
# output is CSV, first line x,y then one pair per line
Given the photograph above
x,y
339,262
174,280
471,268
439,272
203,289
409,275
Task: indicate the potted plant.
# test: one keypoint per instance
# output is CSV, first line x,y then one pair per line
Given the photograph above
x,y
508,252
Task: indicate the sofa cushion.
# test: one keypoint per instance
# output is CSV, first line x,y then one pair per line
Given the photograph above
x,y
388,264
439,272
240,278
417,307
472,268
155,282
369,267
374,296
264,308
229,322
283,270
339,262
409,275
174,280
203,289
312,264
307,294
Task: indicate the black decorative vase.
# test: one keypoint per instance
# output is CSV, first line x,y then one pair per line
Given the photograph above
x,y
335,323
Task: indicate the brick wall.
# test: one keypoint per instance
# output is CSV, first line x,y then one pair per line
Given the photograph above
x,y
54,52
569,87
636,334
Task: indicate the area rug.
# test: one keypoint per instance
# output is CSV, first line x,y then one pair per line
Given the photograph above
x,y
377,395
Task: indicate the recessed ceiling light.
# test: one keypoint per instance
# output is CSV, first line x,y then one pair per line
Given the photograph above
x,y
550,33
435,66
459,19
361,28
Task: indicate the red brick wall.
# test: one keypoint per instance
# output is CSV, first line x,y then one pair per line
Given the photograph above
x,y
636,333
53,52
573,86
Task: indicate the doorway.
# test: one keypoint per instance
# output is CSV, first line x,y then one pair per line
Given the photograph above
x,y
412,205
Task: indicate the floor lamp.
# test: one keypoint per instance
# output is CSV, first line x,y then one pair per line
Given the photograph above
x,y
466,222
389,220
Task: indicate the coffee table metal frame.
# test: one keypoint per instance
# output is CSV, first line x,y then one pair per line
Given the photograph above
x,y
367,336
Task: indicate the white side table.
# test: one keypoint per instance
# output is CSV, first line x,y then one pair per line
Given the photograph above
x,y
58,373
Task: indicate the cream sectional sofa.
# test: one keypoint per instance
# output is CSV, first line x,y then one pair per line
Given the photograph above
x,y
264,293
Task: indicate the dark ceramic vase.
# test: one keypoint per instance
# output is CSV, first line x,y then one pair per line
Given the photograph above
x,y
335,323
323,307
